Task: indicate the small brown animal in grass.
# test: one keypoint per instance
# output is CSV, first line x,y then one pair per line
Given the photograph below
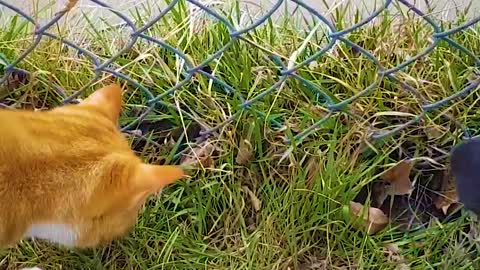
x,y
68,175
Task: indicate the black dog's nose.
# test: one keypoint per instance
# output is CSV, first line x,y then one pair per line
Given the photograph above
x,y
465,165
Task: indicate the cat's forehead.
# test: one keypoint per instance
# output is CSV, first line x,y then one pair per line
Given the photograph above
x,y
84,129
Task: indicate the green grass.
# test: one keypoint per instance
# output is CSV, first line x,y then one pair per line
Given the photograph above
x,y
209,221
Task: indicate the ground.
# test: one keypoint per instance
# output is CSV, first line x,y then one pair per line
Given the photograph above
x,y
253,200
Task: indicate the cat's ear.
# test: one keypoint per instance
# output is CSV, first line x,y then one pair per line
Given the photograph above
x,y
108,100
152,178
143,181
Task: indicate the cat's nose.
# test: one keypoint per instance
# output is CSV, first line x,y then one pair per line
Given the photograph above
x,y
465,167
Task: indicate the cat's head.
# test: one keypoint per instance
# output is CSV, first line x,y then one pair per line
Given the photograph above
x,y
121,182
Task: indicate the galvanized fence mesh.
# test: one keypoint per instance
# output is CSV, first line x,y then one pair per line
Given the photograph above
x,y
286,71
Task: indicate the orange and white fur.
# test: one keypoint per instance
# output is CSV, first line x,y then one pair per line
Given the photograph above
x,y
68,175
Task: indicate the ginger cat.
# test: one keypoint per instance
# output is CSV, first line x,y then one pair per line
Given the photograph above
x,y
68,175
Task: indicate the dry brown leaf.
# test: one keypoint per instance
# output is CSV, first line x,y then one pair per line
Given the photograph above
x,y
245,153
392,251
293,125
448,196
313,168
324,264
380,192
256,203
434,132
399,178
200,155
318,110
209,102
16,79
313,65
402,266
374,221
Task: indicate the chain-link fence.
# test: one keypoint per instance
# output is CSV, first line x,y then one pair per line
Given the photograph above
x,y
286,70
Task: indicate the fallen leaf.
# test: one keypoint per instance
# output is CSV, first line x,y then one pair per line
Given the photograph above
x,y
294,125
399,178
402,266
395,181
318,110
392,251
313,65
324,264
434,132
31,102
16,79
473,234
209,102
448,196
251,224
374,221
313,168
256,203
201,154
380,192
245,153
321,265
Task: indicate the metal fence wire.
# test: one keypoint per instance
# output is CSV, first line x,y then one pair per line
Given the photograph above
x,y
286,71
